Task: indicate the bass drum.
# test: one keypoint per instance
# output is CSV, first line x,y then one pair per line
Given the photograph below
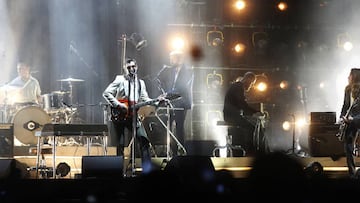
x,y
27,121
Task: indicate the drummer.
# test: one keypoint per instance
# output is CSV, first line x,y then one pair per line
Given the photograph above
x,y
24,89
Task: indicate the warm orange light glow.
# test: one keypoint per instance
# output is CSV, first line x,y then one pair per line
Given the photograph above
x,y
282,6
261,86
284,84
177,43
239,48
240,4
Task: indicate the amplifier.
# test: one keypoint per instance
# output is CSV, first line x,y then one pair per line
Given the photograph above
x,y
323,117
323,141
6,140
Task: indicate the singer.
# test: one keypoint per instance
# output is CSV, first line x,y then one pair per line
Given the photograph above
x,y
127,90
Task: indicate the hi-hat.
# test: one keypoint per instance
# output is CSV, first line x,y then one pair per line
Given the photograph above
x,y
71,80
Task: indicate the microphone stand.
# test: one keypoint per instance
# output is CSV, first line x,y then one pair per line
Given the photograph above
x,y
134,119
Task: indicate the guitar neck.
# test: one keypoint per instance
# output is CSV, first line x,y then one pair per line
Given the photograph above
x,y
138,105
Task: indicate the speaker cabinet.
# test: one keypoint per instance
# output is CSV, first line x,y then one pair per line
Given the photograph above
x,y
6,140
323,141
102,167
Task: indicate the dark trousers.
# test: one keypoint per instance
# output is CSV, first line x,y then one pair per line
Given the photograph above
x,y
141,140
178,119
349,144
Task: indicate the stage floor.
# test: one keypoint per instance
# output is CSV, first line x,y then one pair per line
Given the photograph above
x,y
238,166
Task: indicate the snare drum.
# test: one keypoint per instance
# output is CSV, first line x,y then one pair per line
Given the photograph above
x,y
27,121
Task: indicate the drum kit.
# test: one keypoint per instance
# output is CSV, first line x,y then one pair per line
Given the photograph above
x,y
31,117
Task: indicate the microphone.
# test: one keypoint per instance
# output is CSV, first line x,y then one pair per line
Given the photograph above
x,y
65,104
162,69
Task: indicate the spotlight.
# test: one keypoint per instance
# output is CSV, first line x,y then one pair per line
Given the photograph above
x,y
344,41
138,41
261,83
239,49
214,80
215,38
62,169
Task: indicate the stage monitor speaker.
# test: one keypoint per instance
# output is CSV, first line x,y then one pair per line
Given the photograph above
x,y
102,167
323,141
6,140
191,168
13,169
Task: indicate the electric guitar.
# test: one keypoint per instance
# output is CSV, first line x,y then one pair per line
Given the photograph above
x,y
122,115
343,125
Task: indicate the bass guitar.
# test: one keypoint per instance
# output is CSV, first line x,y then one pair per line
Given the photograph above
x,y
343,125
122,115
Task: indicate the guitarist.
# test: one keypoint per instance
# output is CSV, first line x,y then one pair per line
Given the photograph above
x,y
350,116
130,88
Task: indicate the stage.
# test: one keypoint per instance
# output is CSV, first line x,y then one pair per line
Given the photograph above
x,y
238,166
230,180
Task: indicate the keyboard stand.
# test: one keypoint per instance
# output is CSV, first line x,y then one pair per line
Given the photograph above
x,y
56,130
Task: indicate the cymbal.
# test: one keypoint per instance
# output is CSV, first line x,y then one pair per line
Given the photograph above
x,y
71,80
60,92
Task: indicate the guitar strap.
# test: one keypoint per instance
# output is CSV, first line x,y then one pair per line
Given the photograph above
x,y
139,87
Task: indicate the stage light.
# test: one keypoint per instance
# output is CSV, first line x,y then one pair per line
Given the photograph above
x,y
260,42
178,43
286,125
240,4
239,49
344,41
62,169
138,41
214,80
284,84
215,38
261,83
282,6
